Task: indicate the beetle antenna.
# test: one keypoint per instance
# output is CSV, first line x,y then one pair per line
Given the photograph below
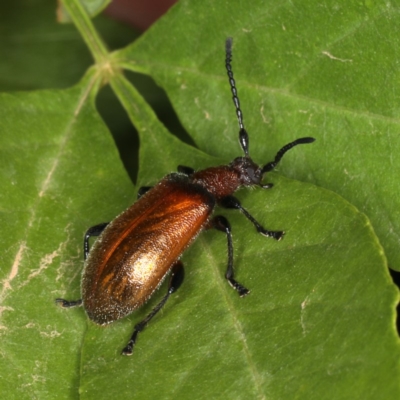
x,y
243,136
271,165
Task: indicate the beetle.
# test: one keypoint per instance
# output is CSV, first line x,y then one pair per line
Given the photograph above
x,y
134,252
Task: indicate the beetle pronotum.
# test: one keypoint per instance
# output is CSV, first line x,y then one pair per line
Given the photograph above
x,y
136,250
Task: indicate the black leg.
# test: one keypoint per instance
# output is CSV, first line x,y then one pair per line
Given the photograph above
x,y
222,224
175,281
267,185
185,170
68,304
93,231
142,190
233,202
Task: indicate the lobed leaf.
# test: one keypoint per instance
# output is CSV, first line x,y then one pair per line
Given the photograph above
x,y
319,322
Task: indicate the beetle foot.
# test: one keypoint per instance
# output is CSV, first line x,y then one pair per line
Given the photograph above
x,y
68,304
277,235
128,350
243,292
267,185
238,287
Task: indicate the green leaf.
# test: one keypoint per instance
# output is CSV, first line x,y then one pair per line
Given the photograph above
x,y
327,70
319,322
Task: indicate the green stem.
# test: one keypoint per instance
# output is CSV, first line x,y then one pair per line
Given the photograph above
x,y
140,113
84,24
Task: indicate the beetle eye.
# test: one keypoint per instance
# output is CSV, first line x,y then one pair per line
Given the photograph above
x,y
254,174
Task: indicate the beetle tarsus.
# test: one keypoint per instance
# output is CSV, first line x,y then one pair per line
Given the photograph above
x,y
183,169
242,291
93,231
277,235
68,304
128,349
175,281
142,190
267,186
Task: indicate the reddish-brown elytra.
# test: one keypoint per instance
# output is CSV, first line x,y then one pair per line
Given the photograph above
x,y
136,250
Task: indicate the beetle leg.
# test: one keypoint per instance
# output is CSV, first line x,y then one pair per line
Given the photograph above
x,y
93,231
233,202
267,185
175,281
222,224
142,190
68,304
185,170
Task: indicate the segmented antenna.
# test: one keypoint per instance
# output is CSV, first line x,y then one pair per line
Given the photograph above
x,y
271,165
243,136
